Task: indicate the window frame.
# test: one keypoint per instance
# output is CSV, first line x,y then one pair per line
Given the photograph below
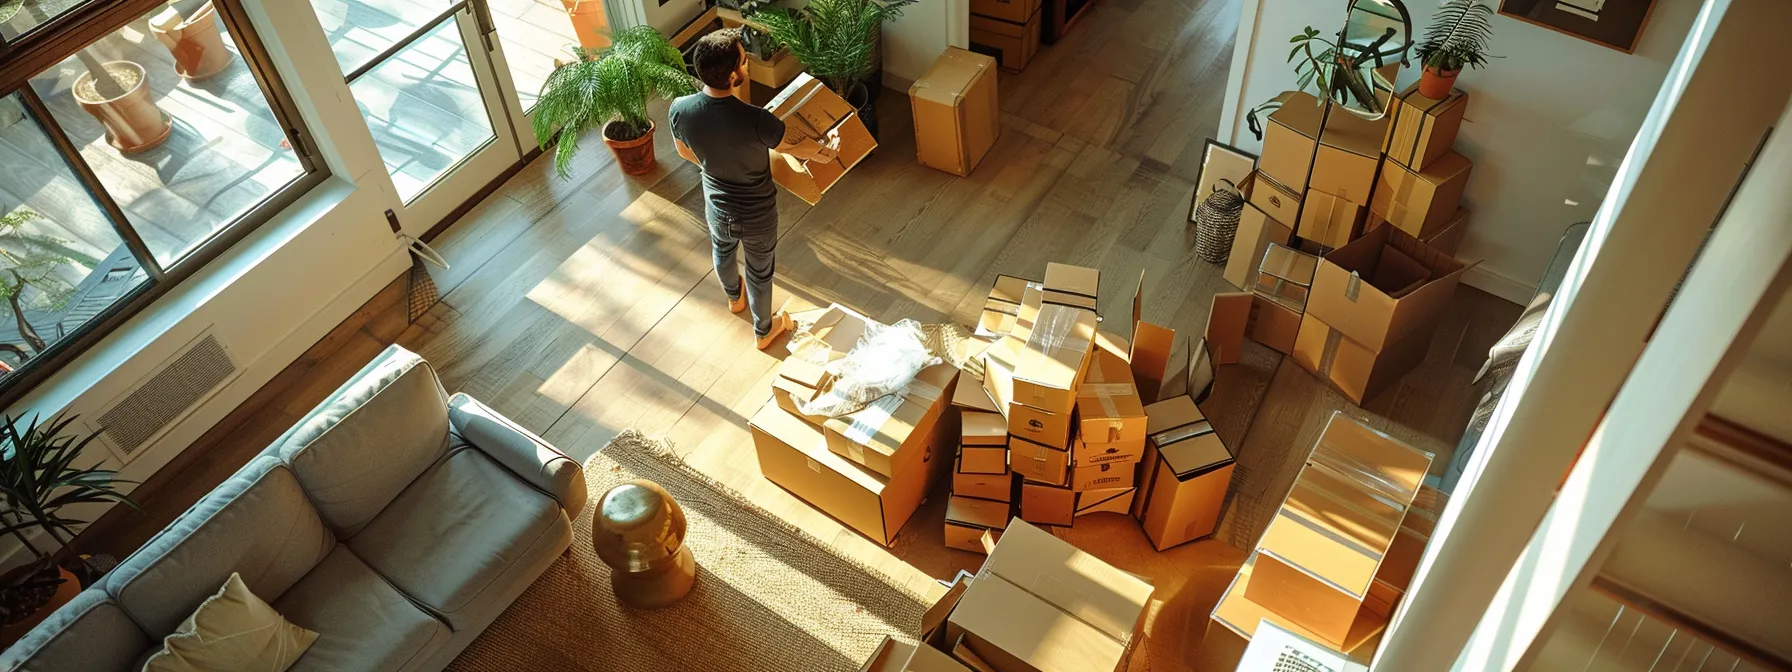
x,y
48,44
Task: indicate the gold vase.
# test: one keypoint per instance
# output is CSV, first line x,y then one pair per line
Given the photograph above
x,y
638,530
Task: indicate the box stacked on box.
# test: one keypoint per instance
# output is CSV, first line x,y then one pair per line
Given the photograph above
x,y
1283,281
1007,30
1321,180
1316,568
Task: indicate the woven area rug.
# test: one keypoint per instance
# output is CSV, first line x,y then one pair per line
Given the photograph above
x,y
768,596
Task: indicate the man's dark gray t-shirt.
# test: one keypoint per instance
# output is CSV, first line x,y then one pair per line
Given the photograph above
x,y
729,138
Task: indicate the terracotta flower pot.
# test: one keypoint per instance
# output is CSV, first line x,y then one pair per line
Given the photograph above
x,y
63,593
194,41
133,122
1436,84
588,22
634,156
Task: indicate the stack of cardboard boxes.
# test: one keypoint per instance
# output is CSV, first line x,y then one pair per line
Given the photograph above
x,y
1336,557
1007,30
1314,200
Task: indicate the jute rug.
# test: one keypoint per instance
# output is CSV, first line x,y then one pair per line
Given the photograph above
x,y
768,596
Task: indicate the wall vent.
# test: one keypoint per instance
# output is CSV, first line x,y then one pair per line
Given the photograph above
x,y
189,377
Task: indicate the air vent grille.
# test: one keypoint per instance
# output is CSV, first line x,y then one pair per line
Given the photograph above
x,y
166,395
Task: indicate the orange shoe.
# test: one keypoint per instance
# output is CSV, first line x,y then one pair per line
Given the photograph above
x,y
781,323
740,304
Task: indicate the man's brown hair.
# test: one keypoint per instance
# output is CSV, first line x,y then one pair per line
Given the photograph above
x,y
717,56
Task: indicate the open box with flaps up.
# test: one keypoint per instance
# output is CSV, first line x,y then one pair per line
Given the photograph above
x,y
1382,287
811,111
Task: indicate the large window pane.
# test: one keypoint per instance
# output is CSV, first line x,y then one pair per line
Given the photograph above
x,y
185,145
61,261
535,33
361,29
19,16
424,109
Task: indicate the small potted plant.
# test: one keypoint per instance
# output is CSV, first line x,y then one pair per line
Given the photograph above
x,y
38,477
1457,39
189,29
609,89
837,41
116,93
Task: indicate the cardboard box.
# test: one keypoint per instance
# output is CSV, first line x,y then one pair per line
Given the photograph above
x,y
1002,307
1274,325
1108,408
1152,347
1402,559
1037,462
1016,11
1047,504
1186,485
1286,276
1032,298
1328,220
894,656
1069,579
1256,230
1038,426
933,621
1383,286
971,522
1012,44
1356,371
1446,239
968,396
793,454
1075,286
1321,552
962,653
1012,630
983,459
1116,500
1423,129
1054,359
998,371
839,328
1346,158
998,487
811,110
797,383
1101,476
1227,320
1419,202
957,117
1235,619
982,429
877,435
1082,452
1279,201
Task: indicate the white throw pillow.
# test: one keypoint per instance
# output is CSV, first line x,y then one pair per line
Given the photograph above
x,y
232,631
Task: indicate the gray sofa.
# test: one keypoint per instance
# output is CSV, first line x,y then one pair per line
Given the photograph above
x,y
395,521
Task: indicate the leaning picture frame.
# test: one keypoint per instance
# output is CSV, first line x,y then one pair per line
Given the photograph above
x,y
1220,161
1613,23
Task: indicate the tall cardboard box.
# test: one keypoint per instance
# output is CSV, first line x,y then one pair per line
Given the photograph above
x,y
1015,11
810,110
1330,220
1355,370
1256,230
1012,43
1184,485
793,454
1382,287
1419,202
1055,357
971,522
877,436
1320,554
957,117
1108,408
1423,129
1346,159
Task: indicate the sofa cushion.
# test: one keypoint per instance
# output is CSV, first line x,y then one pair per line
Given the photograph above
x,y
233,629
370,439
456,531
362,622
257,523
90,633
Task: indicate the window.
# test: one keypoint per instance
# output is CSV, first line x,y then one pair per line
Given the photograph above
x,y
127,164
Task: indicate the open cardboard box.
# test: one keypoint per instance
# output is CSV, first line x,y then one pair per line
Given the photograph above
x,y
1383,286
812,112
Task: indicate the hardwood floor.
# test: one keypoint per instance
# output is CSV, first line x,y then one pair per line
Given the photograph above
x,y
587,306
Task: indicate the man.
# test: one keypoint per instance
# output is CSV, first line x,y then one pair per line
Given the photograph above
x,y
728,138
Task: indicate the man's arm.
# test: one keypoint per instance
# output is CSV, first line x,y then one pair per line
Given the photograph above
x,y
685,151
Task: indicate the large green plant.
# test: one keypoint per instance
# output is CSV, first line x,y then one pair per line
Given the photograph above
x,y
31,277
836,40
610,84
38,478
1458,36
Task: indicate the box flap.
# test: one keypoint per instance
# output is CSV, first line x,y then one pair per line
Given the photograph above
x,y
803,372
1301,113
935,616
998,371
951,76
1024,632
1070,579
1108,390
807,439
1227,320
969,394
983,429
1072,285
1288,265
1152,346
979,513
1057,347
1174,413
1393,467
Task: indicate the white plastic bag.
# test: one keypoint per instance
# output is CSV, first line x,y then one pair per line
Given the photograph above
x,y
883,362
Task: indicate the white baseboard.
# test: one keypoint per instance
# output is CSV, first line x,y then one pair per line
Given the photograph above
x,y
1499,285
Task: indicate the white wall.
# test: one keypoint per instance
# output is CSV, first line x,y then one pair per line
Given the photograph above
x,y
926,28
1546,125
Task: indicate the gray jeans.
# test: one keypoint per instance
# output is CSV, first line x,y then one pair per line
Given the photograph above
x,y
761,242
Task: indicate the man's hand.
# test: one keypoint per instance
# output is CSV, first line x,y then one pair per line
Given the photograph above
x,y
831,148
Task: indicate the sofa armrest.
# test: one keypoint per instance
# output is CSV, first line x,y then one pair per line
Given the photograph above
x,y
523,453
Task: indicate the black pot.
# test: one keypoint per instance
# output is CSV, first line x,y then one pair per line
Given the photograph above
x,y
860,99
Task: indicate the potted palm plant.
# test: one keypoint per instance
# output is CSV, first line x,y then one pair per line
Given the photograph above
x,y
837,42
1457,39
609,89
38,478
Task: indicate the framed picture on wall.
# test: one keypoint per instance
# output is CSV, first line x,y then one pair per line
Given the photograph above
x,y
1614,23
1220,161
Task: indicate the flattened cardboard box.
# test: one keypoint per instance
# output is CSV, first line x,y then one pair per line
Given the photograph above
x,y
793,454
1108,406
1356,371
1054,359
1383,286
1037,462
1418,202
956,114
1068,285
1002,307
876,435
1012,44
1256,230
970,522
1187,482
1116,500
1046,504
998,487
1423,129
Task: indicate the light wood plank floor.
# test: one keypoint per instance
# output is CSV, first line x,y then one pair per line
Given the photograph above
x,y
587,306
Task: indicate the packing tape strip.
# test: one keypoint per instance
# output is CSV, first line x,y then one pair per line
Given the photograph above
x,y
1380,486
1181,432
1329,355
1353,287
867,422
921,391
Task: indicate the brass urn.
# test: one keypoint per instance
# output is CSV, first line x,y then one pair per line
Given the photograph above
x,y
638,530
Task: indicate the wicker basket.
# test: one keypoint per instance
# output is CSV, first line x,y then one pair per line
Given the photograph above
x,y
1216,222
